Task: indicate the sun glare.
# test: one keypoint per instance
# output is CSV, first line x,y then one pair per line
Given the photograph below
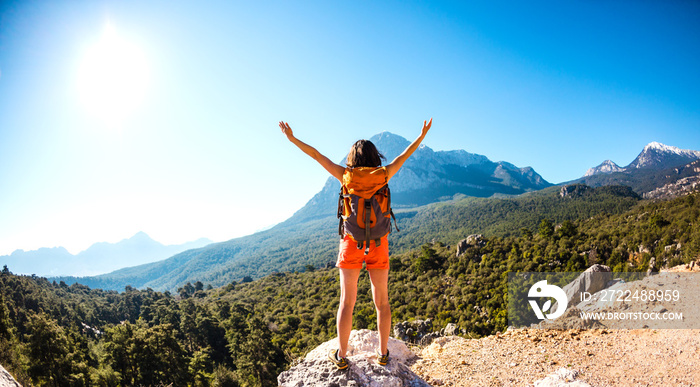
x,y
113,78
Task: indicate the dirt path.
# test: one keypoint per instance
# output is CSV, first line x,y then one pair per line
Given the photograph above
x,y
599,357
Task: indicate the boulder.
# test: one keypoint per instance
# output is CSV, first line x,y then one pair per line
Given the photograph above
x,y
413,331
652,267
451,329
316,370
595,278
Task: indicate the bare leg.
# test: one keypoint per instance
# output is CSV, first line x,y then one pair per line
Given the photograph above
x,y
348,295
380,294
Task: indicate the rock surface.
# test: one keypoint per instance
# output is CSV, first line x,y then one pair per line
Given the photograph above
x,y
562,377
657,155
316,370
595,278
414,331
573,190
477,240
6,380
607,166
680,187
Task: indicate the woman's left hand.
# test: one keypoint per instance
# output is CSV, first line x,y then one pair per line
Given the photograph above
x,y
426,127
286,130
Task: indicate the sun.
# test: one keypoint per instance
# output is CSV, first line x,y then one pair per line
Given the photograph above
x,y
113,78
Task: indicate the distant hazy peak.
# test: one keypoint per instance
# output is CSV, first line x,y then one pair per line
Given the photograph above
x,y
607,166
140,237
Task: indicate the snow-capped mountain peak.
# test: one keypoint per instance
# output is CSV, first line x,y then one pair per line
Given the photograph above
x,y
654,145
606,166
658,155
654,156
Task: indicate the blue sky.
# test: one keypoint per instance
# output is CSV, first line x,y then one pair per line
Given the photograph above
x,y
126,116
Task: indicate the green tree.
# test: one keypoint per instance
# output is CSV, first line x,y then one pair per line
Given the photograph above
x,y
224,377
263,361
5,323
427,260
546,228
48,352
568,229
120,347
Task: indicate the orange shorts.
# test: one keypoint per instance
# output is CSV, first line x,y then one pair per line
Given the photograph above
x,y
350,257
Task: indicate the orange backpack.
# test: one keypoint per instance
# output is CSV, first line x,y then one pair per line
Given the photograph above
x,y
364,206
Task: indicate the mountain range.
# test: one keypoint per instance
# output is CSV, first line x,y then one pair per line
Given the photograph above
x,y
308,237
99,258
429,190
655,166
430,176
654,156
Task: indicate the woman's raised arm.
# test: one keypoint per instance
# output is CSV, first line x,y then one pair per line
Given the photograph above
x,y
395,165
334,169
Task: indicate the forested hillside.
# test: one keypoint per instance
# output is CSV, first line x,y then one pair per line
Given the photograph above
x,y
245,333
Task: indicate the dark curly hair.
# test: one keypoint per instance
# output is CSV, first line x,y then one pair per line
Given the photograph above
x,y
364,154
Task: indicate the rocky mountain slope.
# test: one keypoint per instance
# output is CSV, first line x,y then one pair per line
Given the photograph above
x,y
656,165
430,176
654,156
606,166
689,183
660,156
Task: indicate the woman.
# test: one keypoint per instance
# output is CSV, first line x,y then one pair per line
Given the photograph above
x,y
363,156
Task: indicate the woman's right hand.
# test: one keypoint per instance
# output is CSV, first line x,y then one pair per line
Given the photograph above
x,y
286,130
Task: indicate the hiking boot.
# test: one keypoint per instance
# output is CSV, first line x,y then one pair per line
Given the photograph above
x,y
382,360
340,362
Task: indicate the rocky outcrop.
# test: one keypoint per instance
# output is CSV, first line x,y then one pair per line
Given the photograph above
x,y
595,278
450,330
474,240
6,380
652,266
678,188
421,331
415,331
573,190
316,370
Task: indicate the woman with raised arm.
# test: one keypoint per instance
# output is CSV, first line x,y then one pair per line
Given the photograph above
x,y
363,173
